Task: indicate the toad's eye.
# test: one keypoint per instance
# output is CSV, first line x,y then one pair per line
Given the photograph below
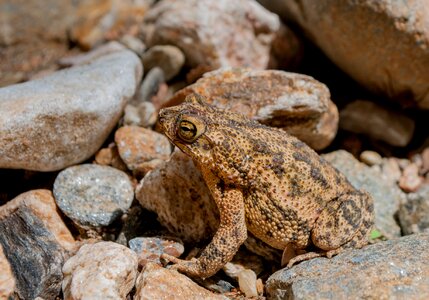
x,y
190,129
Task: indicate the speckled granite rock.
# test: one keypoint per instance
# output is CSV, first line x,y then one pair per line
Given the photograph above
x,y
387,196
395,269
156,282
382,44
177,193
93,195
294,102
214,34
104,270
63,119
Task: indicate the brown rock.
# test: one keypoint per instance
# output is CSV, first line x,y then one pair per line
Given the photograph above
x,y
371,158
177,193
214,33
383,44
169,58
396,269
156,282
63,119
7,280
32,36
410,179
294,102
139,146
377,122
104,270
36,254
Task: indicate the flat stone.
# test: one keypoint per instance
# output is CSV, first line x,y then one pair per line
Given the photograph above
x,y
93,195
149,249
139,146
297,103
384,45
214,34
386,194
413,214
169,58
177,193
377,122
395,269
156,282
104,270
63,119
36,254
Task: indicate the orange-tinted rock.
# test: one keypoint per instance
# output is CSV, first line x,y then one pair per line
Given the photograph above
x,y
410,179
139,146
156,282
297,103
214,33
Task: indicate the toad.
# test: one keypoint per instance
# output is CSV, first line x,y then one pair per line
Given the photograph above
x,y
268,183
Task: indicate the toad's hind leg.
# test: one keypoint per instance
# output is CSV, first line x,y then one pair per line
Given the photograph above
x,y
344,223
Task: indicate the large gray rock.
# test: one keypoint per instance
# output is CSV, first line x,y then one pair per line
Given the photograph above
x,y
395,269
382,44
387,196
63,119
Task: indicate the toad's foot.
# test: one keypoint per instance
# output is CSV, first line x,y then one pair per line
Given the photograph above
x,y
310,255
190,267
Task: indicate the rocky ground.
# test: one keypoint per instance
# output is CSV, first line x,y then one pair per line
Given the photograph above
x,y
91,194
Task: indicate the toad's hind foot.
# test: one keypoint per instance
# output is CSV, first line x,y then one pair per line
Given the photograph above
x,y
190,267
310,255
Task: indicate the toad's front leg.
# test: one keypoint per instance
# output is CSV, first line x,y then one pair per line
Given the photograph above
x,y
231,234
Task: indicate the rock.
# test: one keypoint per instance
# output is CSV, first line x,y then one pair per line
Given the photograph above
x,y
149,249
395,269
177,193
390,169
134,44
387,196
425,158
139,146
143,115
214,34
150,86
90,56
410,179
247,282
32,37
371,158
377,122
93,195
110,157
34,241
104,270
7,281
413,215
294,102
63,119
169,58
394,32
156,282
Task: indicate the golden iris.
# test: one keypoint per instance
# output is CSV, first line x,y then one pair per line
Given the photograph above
x,y
187,131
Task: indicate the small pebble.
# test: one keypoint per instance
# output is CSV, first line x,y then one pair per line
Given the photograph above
x,y
134,44
150,85
93,195
425,158
148,114
371,158
138,146
247,282
410,179
169,58
104,270
391,170
149,249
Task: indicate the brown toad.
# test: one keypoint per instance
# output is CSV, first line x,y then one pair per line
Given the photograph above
x,y
268,182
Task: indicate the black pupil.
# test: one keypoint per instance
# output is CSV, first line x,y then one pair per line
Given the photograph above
x,y
188,129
